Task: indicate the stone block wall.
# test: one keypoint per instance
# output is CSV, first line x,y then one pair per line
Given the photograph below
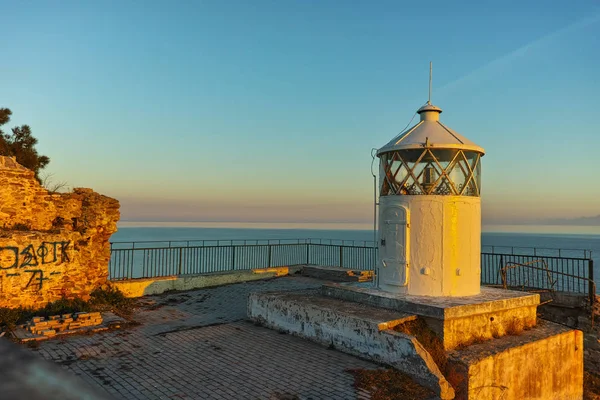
x,y
51,245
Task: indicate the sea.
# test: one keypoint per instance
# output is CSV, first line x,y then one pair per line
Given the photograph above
x,y
573,241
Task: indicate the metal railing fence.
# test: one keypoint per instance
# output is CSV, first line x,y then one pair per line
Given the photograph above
x,y
564,274
130,260
537,251
150,262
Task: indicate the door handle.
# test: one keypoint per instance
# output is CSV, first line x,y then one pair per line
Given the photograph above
x,y
383,242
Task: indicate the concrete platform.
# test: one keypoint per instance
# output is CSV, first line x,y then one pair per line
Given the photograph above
x,y
456,320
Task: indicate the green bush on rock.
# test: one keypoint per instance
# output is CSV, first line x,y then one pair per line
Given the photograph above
x,y
105,298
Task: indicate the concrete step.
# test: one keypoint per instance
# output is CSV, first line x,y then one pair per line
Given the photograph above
x,y
337,274
514,366
356,313
353,328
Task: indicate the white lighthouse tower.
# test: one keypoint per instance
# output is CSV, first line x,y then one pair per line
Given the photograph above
x,y
430,211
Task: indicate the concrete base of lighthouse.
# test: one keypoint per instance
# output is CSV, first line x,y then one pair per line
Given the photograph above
x,y
492,345
457,321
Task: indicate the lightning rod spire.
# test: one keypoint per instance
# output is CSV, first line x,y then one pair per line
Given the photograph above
x,y
430,72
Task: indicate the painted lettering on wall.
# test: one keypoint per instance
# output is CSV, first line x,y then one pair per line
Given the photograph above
x,y
33,260
32,256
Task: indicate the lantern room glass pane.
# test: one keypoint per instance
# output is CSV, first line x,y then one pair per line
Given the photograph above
x,y
430,171
445,155
477,173
475,164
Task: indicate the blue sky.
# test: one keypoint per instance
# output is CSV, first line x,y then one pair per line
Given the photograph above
x,y
266,111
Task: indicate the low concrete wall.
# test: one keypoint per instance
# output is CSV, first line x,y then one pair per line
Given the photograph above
x,y
565,308
150,286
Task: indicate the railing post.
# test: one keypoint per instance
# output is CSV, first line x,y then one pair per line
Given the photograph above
x,y
591,278
307,253
342,256
180,257
269,260
232,258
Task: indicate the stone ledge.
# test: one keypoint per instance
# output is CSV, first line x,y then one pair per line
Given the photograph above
x,y
489,300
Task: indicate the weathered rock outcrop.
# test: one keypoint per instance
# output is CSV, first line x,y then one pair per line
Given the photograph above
x,y
52,245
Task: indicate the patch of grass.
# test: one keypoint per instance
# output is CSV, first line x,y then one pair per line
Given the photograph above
x,y
110,298
9,317
496,333
105,298
389,384
64,306
428,339
515,327
475,339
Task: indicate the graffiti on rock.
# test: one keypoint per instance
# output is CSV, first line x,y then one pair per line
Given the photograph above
x,y
30,256
37,278
34,259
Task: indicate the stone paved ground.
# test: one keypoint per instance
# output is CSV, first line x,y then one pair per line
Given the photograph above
x,y
198,345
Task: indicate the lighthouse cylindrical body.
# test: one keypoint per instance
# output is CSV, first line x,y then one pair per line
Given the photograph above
x,y
430,211
430,245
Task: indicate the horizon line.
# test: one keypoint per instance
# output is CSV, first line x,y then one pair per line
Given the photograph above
x,y
485,226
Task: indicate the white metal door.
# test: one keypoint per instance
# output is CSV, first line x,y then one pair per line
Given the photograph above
x,y
392,246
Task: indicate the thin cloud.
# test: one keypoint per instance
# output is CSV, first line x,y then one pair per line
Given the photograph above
x,y
501,63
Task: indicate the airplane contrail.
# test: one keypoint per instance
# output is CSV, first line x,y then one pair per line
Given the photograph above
x,y
501,62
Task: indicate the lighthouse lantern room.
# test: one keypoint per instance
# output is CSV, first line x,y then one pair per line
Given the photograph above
x,y
430,211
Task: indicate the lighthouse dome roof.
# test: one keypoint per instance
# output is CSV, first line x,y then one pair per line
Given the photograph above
x,y
430,132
